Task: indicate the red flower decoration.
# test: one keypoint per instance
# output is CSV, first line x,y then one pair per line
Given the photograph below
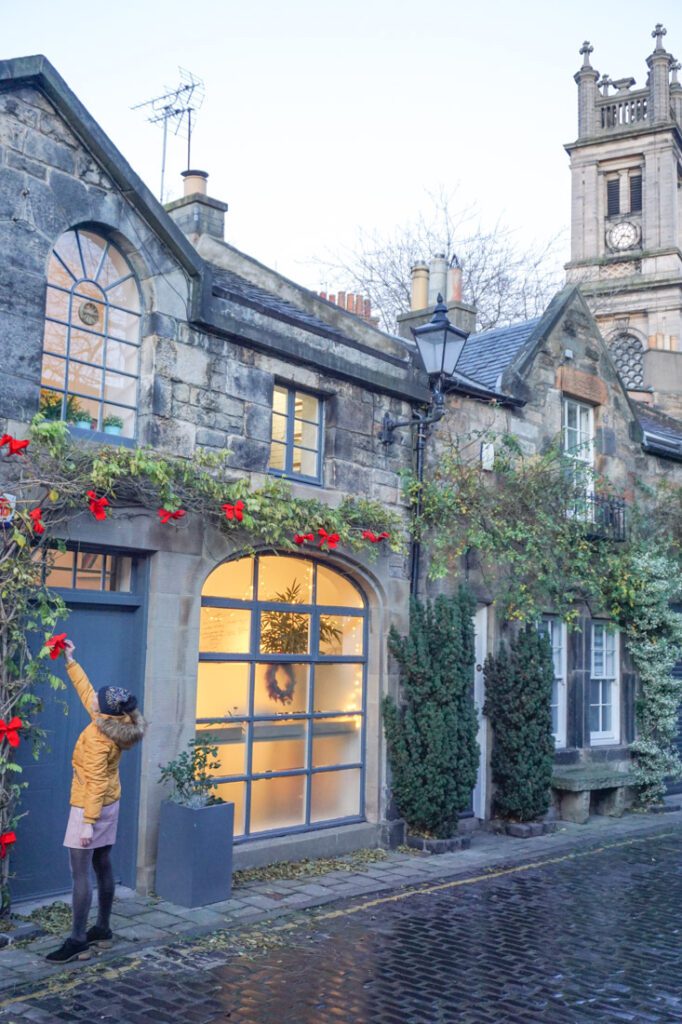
x,y
165,515
301,538
6,839
10,730
330,539
36,515
235,511
375,537
14,447
97,506
57,645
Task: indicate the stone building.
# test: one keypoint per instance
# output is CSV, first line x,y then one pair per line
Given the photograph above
x,y
142,325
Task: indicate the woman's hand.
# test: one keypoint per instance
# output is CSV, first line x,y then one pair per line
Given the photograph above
x,y
86,835
69,648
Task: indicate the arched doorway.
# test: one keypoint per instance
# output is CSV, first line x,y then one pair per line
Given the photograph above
x,y
281,686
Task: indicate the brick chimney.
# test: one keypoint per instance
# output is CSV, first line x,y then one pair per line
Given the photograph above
x,y
355,304
197,213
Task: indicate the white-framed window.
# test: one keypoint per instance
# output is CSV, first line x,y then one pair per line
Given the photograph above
x,y
578,431
555,630
605,684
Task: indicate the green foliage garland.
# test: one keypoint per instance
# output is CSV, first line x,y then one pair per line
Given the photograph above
x,y
518,685
431,737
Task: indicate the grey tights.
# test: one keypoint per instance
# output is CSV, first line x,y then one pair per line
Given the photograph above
x,y
81,862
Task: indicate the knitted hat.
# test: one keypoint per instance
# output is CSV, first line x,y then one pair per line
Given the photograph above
x,y
114,700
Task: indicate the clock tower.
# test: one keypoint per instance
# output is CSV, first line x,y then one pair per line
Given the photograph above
x,y
626,214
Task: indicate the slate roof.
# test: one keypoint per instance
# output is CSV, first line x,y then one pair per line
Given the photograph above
x,y
227,284
487,354
662,434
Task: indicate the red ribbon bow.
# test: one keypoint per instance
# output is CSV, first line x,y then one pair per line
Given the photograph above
x,y
301,538
165,515
36,515
97,506
10,730
57,645
14,447
374,537
235,511
330,539
6,839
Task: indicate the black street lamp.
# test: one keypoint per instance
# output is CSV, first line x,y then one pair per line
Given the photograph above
x,y
439,344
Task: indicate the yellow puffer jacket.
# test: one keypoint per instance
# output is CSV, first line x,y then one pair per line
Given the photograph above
x,y
98,749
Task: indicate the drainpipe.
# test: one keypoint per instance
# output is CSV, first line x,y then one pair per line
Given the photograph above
x,y
422,427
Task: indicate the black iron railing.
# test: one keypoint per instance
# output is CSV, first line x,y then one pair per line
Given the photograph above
x,y
604,517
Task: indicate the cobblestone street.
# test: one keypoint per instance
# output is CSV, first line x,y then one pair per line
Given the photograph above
x,y
578,937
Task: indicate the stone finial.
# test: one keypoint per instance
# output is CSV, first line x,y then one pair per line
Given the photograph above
x,y
675,67
585,50
658,34
604,83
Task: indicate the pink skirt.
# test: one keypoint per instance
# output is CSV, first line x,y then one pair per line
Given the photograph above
x,y
103,831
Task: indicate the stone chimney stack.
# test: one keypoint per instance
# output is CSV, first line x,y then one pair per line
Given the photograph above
x,y
197,213
428,281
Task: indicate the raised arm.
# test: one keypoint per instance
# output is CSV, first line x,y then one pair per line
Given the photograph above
x,y
82,684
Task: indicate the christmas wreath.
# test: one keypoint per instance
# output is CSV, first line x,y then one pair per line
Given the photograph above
x,y
283,694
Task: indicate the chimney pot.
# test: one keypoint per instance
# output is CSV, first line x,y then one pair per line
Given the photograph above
x,y
195,181
455,284
420,286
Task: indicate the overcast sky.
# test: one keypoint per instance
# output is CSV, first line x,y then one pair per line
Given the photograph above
x,y
323,119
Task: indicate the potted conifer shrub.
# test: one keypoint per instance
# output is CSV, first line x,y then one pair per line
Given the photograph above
x,y
196,828
112,424
82,418
518,687
431,734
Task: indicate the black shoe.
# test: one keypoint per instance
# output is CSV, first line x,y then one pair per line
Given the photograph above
x,y
69,951
101,937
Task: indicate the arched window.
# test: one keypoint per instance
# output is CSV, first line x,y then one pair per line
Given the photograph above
x,y
627,353
281,684
91,345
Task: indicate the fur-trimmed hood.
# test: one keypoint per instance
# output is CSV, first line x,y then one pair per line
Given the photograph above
x,y
124,730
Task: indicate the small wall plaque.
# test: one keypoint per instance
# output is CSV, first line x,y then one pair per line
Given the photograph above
x,y
89,313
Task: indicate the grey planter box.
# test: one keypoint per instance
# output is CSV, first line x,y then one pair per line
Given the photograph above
x,y
194,860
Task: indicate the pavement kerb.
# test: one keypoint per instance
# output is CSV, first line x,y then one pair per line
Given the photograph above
x,y
495,856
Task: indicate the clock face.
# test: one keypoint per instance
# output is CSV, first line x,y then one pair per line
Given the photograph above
x,y
622,236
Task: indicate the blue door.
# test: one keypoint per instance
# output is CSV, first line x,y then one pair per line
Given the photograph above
x,y
105,596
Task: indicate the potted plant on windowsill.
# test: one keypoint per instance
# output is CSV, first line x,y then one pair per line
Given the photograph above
x,y
194,857
82,419
112,424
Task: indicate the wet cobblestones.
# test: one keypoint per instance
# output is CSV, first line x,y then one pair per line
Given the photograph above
x,y
595,937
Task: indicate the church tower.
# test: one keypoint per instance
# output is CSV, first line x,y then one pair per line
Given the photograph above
x,y
626,217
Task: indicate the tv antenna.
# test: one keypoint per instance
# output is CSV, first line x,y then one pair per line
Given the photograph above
x,y
176,110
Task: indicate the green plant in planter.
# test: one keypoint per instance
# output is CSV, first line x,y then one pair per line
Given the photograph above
x,y
112,424
189,773
51,405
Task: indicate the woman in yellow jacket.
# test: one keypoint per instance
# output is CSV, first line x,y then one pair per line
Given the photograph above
x,y
115,725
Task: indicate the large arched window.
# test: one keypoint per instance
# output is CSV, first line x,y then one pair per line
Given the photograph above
x,y
281,684
91,346
628,355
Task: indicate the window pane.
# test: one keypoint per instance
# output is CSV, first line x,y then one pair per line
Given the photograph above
x,y
89,571
85,380
89,348
59,569
306,406
305,434
77,404
222,689
338,687
231,579
54,339
279,427
304,462
571,416
120,389
335,795
57,273
83,293
336,741
277,456
341,634
127,415
279,576
594,720
335,589
113,268
123,325
57,304
231,743
606,718
120,576
54,372
92,249
280,397
277,803
67,249
278,746
595,691
234,793
122,357
124,294
279,688
555,707
224,630
284,633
